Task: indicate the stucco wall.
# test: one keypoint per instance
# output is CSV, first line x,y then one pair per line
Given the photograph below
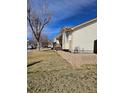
x,y
84,37
63,40
66,41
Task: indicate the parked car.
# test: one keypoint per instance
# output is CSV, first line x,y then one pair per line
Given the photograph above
x,y
31,46
50,46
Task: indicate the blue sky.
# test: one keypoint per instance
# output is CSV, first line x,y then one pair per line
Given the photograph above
x,y
66,13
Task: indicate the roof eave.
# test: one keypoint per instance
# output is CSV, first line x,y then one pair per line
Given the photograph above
x,y
84,24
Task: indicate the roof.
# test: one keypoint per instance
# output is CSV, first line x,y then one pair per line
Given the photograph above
x,y
70,29
66,29
58,36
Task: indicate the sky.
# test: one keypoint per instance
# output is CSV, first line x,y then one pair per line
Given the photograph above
x,y
65,13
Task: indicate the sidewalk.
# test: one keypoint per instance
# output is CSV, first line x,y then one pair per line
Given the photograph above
x,y
78,59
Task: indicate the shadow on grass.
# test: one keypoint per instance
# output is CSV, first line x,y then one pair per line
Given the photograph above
x,y
34,63
47,50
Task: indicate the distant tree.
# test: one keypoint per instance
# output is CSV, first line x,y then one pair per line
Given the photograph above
x,y
38,21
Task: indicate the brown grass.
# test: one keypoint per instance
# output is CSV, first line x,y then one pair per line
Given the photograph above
x,y
53,74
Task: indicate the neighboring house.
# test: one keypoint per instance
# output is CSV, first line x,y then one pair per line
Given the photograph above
x,y
56,40
81,38
57,43
50,44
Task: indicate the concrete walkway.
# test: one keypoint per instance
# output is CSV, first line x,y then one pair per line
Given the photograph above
x,y
78,59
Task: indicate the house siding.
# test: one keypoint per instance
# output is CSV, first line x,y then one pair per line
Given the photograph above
x,y
84,38
66,41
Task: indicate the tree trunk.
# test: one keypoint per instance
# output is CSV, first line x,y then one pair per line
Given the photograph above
x,y
38,46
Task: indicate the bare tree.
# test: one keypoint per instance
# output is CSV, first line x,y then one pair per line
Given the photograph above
x,y
38,21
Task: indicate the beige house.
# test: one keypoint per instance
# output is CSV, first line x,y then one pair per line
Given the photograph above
x,y
57,42
80,38
56,39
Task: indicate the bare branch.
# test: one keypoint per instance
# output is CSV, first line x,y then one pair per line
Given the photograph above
x,y
36,21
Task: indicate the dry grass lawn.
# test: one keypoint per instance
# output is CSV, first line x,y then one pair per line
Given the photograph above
x,y
50,73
